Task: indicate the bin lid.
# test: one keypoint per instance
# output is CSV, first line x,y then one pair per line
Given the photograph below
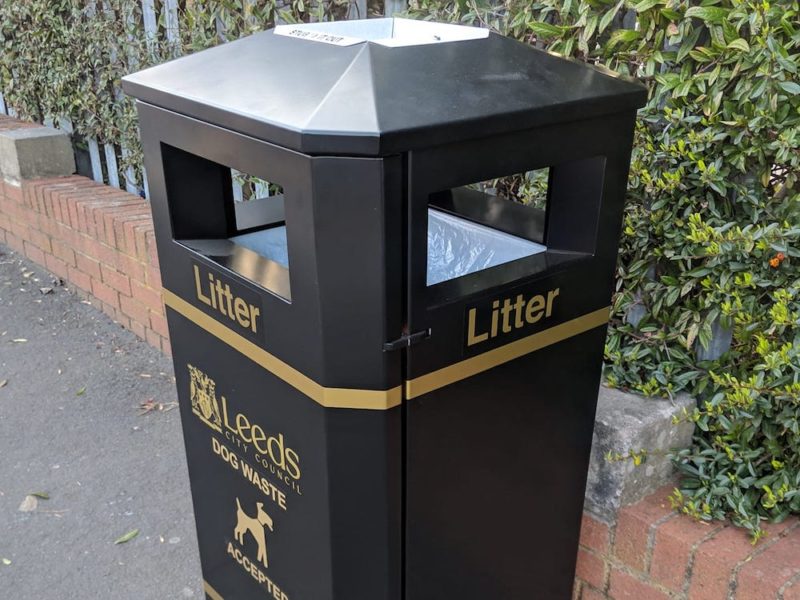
x,y
379,86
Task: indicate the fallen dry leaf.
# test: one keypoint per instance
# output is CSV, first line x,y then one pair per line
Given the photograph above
x,y
81,391
19,341
3,383
6,562
46,290
127,537
151,405
30,504
40,495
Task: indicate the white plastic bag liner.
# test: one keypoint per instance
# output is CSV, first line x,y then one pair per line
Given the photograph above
x,y
457,247
269,243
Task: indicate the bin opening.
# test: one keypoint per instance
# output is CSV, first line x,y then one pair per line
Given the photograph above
x,y
486,224
230,217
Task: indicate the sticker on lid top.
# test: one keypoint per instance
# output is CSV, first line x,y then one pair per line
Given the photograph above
x,y
317,36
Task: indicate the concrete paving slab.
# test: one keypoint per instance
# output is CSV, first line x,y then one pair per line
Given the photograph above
x,y
70,426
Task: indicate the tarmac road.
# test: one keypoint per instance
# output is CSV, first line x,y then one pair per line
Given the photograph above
x,y
70,427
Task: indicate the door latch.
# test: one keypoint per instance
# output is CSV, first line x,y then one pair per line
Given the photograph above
x,y
409,339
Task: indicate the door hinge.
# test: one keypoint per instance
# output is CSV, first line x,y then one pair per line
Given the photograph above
x,y
407,340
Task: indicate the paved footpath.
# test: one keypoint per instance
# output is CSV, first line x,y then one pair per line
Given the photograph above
x,y
71,428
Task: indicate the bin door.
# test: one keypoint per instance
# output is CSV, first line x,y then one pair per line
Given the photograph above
x,y
507,316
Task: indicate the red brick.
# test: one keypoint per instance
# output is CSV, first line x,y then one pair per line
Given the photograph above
x,y
110,218
141,229
793,591
86,216
120,237
122,319
10,208
133,309
154,278
20,230
591,568
88,265
129,227
99,213
715,561
34,253
108,309
61,206
31,218
153,338
138,329
150,242
626,587
765,574
634,527
673,546
79,278
118,281
52,203
32,191
56,265
95,213
48,226
130,266
159,324
147,296
66,234
105,255
41,241
85,198
73,214
107,295
14,242
166,347
594,534
588,593
13,192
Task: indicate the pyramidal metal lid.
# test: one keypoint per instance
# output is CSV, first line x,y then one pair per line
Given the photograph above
x,y
379,86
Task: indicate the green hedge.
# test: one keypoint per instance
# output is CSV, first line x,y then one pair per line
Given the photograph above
x,y
708,288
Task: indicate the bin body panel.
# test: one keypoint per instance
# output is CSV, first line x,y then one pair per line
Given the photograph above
x,y
496,477
501,397
498,438
342,512
340,534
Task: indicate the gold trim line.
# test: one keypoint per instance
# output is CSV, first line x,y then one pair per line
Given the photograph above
x,y
492,358
212,593
327,397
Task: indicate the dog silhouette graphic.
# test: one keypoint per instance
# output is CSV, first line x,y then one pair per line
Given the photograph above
x,y
255,525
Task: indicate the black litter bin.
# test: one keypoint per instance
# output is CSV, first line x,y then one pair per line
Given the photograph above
x,y
387,369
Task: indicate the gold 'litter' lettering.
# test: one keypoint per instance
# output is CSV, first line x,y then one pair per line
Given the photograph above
x,y
511,315
218,296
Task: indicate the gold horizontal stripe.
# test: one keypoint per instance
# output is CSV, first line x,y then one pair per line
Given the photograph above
x,y
327,397
492,358
212,593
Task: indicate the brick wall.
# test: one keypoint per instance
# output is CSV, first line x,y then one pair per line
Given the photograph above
x,y
653,553
100,241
